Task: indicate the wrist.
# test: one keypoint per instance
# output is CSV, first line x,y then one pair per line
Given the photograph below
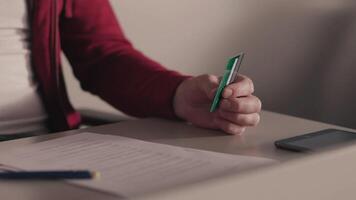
x,y
179,100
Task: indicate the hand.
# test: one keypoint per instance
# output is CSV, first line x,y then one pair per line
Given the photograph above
x,y
238,108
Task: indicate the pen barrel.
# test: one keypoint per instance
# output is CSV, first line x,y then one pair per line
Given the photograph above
x,y
50,175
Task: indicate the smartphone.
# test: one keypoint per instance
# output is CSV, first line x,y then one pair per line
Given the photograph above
x,y
317,141
230,76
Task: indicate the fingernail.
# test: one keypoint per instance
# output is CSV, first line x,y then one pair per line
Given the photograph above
x,y
227,93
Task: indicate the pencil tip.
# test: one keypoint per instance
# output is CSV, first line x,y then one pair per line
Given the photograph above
x,y
96,175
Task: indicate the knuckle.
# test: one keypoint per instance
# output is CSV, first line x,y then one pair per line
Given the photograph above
x,y
258,119
229,128
252,86
239,130
234,129
254,104
248,120
239,88
259,104
246,87
249,83
210,78
204,77
254,119
250,106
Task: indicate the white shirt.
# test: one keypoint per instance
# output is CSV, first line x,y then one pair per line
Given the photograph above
x,y
21,109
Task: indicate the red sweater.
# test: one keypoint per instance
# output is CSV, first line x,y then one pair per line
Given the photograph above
x,y
103,60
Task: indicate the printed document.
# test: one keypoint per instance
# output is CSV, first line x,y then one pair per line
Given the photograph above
x,y
128,167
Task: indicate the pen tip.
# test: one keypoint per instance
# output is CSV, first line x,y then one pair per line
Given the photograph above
x,y
96,175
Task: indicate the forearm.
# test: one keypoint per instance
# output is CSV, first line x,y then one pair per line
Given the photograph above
x,y
108,65
135,84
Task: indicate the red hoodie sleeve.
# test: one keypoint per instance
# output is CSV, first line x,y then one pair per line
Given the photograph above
x,y
107,64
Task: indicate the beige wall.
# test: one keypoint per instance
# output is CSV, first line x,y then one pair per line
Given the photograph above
x,y
300,53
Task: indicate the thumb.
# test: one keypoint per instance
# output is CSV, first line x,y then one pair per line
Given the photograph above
x,y
209,84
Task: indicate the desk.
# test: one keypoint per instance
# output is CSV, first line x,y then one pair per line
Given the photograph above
x,y
257,141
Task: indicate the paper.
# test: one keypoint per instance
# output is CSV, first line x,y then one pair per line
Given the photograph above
x,y
128,167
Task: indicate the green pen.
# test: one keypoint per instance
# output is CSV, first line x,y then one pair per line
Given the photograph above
x,y
230,75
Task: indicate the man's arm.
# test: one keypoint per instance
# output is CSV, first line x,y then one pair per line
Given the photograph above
x,y
107,64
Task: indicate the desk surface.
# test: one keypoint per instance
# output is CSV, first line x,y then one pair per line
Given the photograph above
x,y
257,141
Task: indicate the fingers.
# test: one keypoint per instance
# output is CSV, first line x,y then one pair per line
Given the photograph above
x,y
241,119
228,126
238,108
237,113
242,87
243,105
234,123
